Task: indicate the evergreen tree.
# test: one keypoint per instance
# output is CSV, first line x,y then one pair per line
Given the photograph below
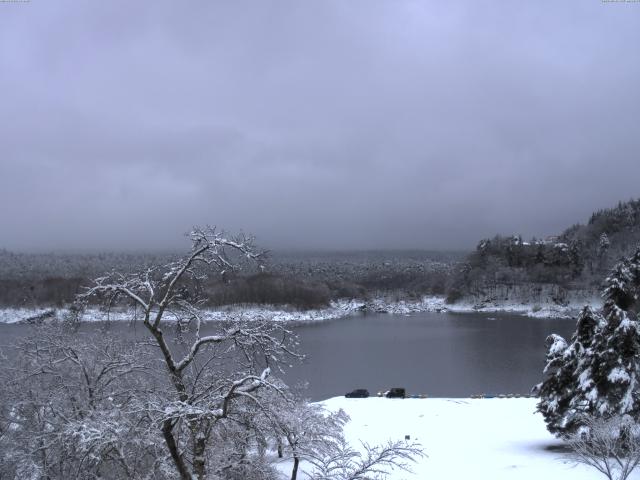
x,y
603,245
616,364
598,372
585,345
556,389
567,366
576,257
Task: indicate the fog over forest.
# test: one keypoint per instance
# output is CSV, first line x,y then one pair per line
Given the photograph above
x,y
331,125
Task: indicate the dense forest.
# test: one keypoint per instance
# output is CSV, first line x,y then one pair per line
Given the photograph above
x,y
300,279
577,259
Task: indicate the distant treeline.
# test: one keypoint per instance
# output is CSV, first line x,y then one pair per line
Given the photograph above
x,y
32,292
577,259
303,280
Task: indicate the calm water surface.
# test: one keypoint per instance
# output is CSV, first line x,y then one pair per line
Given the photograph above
x,y
439,354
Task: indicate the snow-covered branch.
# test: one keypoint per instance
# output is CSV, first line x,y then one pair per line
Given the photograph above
x,y
200,396
344,462
611,446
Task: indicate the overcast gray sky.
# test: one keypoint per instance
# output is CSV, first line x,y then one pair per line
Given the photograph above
x,y
315,123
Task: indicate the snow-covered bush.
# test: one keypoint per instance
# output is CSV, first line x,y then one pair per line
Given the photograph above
x,y
69,405
611,446
597,373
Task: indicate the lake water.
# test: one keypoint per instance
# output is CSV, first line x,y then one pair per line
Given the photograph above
x,y
438,354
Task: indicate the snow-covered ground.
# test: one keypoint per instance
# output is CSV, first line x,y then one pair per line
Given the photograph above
x,y
438,304
15,315
337,309
547,310
465,439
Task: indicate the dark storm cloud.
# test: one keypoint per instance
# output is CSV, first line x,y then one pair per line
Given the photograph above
x,y
336,124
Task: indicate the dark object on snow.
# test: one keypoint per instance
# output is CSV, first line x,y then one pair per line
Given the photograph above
x,y
396,393
359,393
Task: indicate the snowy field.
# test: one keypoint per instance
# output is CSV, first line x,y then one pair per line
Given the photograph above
x,y
489,439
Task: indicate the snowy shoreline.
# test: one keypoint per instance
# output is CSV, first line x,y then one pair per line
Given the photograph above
x,y
438,304
337,309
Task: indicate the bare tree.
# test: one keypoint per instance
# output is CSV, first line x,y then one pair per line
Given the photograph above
x,y
611,446
88,405
371,462
65,408
310,433
307,431
203,388
191,400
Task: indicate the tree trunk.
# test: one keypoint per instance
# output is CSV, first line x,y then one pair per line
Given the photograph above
x,y
294,472
199,446
167,432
